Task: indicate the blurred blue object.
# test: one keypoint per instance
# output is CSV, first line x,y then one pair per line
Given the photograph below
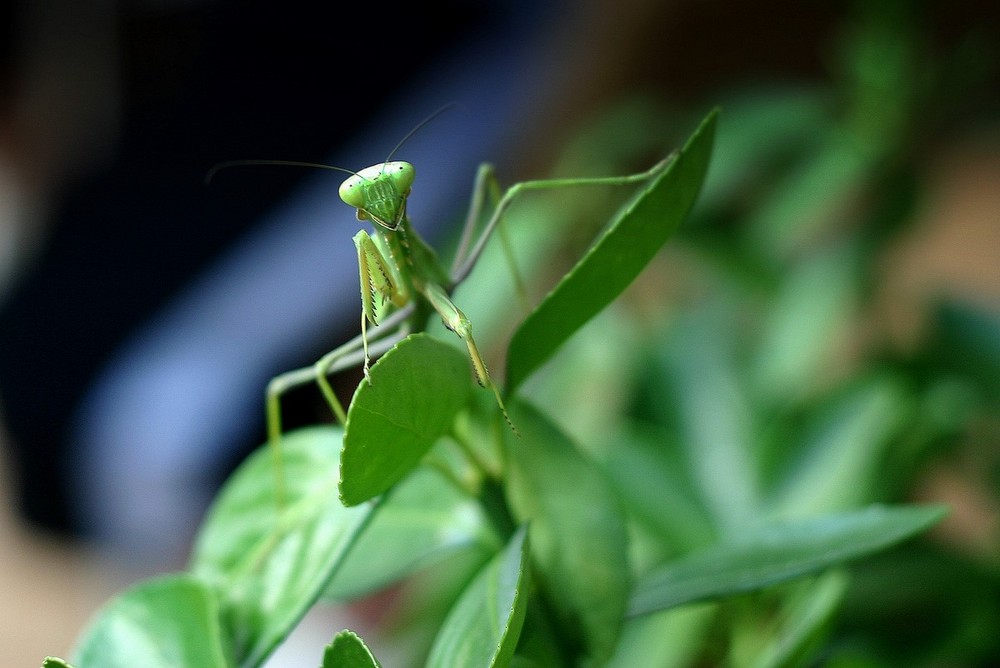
x,y
182,396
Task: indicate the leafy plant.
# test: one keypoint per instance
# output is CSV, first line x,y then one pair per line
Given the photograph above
x,y
570,553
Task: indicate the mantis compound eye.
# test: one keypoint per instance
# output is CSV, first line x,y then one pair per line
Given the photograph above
x,y
397,175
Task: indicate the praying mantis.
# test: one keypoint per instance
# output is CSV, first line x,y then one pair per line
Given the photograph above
x,y
401,279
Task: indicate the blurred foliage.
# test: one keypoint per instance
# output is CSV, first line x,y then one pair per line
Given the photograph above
x,y
739,420
758,344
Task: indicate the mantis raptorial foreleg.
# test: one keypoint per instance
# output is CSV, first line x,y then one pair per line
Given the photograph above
x,y
380,285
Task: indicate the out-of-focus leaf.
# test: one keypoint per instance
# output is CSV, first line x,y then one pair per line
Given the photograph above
x,y
539,645
422,519
715,422
483,627
55,662
763,128
966,340
778,552
836,467
615,260
923,602
803,623
666,639
428,595
816,299
415,391
588,405
578,536
166,622
650,474
807,199
348,651
269,563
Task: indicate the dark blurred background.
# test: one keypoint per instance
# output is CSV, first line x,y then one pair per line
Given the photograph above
x,y
142,312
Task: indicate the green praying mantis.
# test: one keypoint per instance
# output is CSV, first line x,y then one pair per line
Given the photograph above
x,y
402,280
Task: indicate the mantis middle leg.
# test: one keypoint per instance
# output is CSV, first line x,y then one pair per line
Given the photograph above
x,y
457,322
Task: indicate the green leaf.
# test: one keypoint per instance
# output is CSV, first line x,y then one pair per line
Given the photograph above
x,y
800,628
837,466
348,651
579,542
483,627
268,563
965,339
651,477
812,309
763,129
778,552
615,260
166,622
803,204
667,639
429,596
55,662
415,391
713,414
423,519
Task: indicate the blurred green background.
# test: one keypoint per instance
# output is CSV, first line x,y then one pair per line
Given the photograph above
x,y
823,333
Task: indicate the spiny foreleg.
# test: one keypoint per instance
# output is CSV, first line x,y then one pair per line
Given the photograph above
x,y
379,286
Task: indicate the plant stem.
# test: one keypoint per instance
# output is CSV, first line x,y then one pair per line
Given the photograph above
x,y
492,499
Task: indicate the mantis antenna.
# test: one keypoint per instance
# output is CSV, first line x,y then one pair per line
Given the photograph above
x,y
288,163
434,114
297,163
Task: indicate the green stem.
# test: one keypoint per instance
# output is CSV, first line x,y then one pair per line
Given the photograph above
x,y
469,450
494,503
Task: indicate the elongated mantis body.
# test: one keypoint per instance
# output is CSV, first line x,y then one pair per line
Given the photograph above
x,y
402,281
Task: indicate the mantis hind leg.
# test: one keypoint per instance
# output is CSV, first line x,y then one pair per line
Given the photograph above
x,y
281,384
486,184
486,187
383,338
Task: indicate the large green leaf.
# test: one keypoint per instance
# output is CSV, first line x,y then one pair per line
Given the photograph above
x,y
415,391
579,542
348,651
615,260
269,563
424,518
166,622
483,627
778,552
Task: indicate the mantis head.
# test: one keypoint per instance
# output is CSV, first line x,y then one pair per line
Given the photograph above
x,y
379,192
